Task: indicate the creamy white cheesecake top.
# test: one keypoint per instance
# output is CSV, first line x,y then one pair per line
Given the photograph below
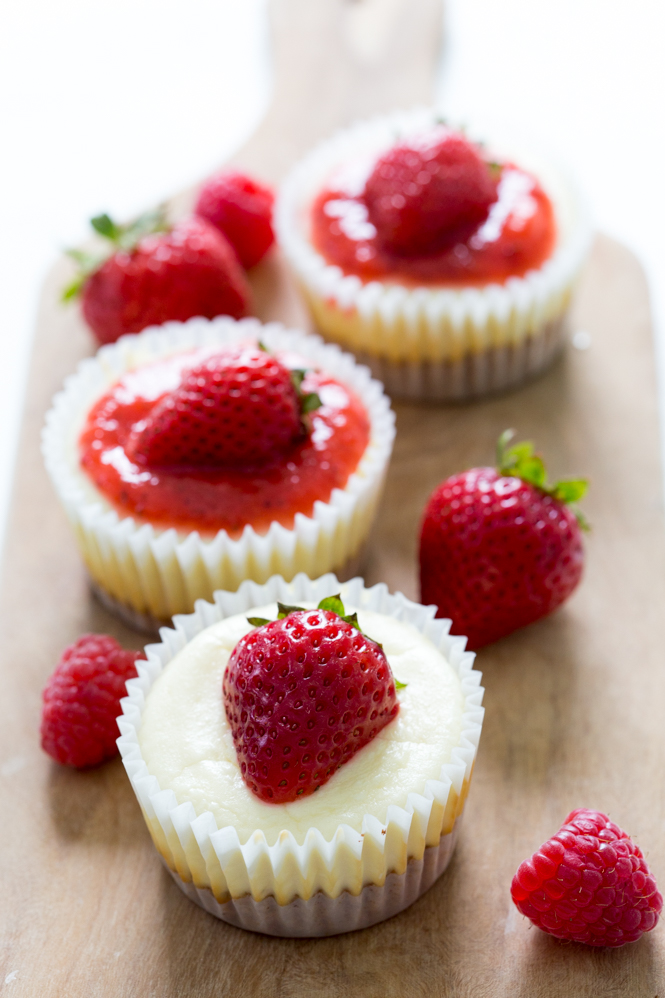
x,y
186,739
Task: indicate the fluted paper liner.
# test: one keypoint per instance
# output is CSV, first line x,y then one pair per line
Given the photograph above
x,y
320,887
148,574
428,342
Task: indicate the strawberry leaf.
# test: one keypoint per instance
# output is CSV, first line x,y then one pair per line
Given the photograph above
x,y
88,263
518,453
297,377
119,237
310,402
284,609
571,490
400,686
103,225
73,288
333,603
581,519
257,621
129,236
532,470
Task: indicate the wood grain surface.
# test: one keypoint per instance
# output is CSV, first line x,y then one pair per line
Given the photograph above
x,y
575,704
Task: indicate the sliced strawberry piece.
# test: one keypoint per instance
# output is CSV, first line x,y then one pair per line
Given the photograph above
x,y
302,695
239,407
429,192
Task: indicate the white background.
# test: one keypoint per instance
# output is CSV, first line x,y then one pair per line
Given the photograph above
x,y
115,104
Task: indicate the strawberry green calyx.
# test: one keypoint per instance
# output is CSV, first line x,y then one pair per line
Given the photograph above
x,y
333,604
120,238
309,401
521,461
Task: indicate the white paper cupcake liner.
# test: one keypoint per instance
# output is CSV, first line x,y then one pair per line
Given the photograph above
x,y
427,342
322,887
147,574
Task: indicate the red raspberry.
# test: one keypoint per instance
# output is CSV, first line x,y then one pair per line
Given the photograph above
x,y
500,549
241,208
152,278
239,407
425,194
82,701
589,883
302,695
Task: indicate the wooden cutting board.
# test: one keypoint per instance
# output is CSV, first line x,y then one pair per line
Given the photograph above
x,y
575,704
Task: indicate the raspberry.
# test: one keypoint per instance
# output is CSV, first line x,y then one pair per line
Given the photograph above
x,y
241,208
429,192
302,695
239,407
82,701
589,883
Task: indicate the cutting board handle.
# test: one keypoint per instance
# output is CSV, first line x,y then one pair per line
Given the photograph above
x,y
338,60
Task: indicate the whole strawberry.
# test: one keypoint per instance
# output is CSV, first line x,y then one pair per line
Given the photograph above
x,y
589,883
500,548
151,274
241,208
302,695
238,407
82,701
429,192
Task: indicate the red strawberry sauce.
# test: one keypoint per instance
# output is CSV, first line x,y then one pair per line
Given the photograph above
x,y
209,500
517,236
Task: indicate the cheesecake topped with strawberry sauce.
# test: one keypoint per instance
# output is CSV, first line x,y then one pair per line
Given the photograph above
x,y
446,263
213,440
197,455
432,210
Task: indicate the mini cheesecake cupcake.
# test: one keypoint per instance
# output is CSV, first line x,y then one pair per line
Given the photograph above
x,y
197,455
445,264
302,753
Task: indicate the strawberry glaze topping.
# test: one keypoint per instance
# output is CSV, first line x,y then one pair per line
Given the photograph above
x,y
433,212
209,498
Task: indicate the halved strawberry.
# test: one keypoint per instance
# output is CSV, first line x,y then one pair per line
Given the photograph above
x,y
238,407
429,192
302,695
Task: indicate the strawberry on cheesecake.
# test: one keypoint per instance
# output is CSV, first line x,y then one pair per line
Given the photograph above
x,y
197,456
